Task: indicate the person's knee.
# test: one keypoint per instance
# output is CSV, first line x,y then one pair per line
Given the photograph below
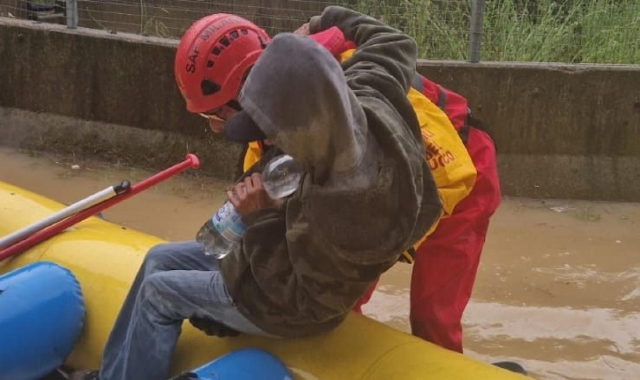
x,y
152,286
153,294
158,256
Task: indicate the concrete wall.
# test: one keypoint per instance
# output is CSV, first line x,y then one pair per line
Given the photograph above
x,y
562,131
87,88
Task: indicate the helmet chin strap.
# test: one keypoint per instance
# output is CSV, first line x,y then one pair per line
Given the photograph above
x,y
262,43
235,105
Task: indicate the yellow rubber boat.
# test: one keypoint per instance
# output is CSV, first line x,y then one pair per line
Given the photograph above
x,y
104,258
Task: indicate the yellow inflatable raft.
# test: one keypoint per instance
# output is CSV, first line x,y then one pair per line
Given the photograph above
x,y
104,257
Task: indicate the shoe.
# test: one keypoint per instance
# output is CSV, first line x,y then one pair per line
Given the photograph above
x,y
511,366
84,375
185,376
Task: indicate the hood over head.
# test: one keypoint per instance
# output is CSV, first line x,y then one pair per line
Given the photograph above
x,y
298,96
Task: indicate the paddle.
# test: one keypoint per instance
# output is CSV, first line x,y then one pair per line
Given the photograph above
x,y
78,206
81,214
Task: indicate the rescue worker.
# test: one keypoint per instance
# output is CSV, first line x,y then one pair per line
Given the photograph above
x,y
304,261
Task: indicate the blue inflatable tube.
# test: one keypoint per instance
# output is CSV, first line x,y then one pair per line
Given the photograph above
x,y
41,317
244,364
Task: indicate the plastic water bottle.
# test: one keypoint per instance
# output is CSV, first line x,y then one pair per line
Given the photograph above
x,y
220,234
281,177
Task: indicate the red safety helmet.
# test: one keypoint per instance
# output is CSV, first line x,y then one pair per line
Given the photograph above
x,y
213,58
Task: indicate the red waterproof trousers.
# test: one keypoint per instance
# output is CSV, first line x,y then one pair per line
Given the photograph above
x,y
447,261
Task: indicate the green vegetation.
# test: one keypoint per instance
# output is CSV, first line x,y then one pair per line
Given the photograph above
x,y
574,31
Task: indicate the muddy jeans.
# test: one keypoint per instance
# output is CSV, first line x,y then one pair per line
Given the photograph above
x,y
176,281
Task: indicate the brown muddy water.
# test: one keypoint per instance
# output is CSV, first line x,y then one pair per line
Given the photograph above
x,y
558,289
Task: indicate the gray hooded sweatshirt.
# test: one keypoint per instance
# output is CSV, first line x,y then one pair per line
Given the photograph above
x,y
368,194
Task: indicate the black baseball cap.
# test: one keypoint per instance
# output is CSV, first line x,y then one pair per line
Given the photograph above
x,y
241,128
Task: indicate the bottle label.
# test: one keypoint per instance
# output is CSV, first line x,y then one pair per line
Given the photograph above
x,y
228,223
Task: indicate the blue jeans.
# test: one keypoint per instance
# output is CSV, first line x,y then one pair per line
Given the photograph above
x,y
176,281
